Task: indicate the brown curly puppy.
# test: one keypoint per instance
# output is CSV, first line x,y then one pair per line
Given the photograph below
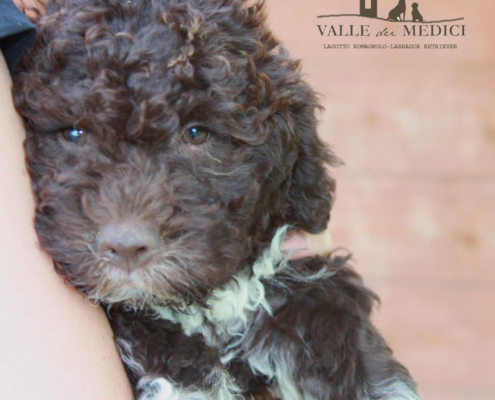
x,y
170,143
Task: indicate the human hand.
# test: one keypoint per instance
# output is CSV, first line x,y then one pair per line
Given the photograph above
x,y
300,244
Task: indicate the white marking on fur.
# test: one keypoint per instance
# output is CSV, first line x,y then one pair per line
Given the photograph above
x,y
229,308
394,389
230,314
126,354
152,388
223,388
157,389
276,364
222,384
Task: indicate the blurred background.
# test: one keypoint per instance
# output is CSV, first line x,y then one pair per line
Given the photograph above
x,y
416,198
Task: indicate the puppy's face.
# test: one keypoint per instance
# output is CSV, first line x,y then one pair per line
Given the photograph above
x,y
167,140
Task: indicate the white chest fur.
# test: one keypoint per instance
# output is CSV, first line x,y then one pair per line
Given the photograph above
x,y
227,321
230,309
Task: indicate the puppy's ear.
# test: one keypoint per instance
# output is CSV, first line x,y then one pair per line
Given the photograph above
x,y
311,192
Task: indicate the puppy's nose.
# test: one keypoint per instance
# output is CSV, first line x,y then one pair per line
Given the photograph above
x,y
128,245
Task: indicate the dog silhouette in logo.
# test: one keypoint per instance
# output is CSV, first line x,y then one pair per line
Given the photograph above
x,y
396,12
416,15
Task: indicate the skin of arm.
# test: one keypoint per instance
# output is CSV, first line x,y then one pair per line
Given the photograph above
x,y
300,244
53,344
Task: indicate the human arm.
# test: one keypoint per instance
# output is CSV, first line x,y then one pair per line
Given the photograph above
x,y
300,244
53,344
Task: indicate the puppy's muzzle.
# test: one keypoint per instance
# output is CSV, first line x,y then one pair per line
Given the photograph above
x,y
128,245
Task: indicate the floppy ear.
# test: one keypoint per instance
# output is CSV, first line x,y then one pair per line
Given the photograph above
x,y
311,192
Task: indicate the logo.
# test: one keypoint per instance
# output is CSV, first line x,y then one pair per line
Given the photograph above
x,y
402,20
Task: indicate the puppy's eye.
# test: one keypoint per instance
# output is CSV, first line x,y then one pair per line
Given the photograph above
x,y
196,135
74,135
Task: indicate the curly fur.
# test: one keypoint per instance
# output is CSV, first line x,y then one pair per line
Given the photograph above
x,y
217,312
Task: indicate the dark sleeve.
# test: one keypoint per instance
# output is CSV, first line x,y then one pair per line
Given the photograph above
x,y
17,33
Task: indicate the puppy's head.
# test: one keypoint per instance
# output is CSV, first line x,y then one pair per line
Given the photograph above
x,y
167,141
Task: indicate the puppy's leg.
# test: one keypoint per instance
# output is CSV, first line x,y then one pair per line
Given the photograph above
x,y
320,344
165,364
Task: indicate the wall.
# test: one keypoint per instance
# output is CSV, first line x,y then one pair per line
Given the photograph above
x,y
415,200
